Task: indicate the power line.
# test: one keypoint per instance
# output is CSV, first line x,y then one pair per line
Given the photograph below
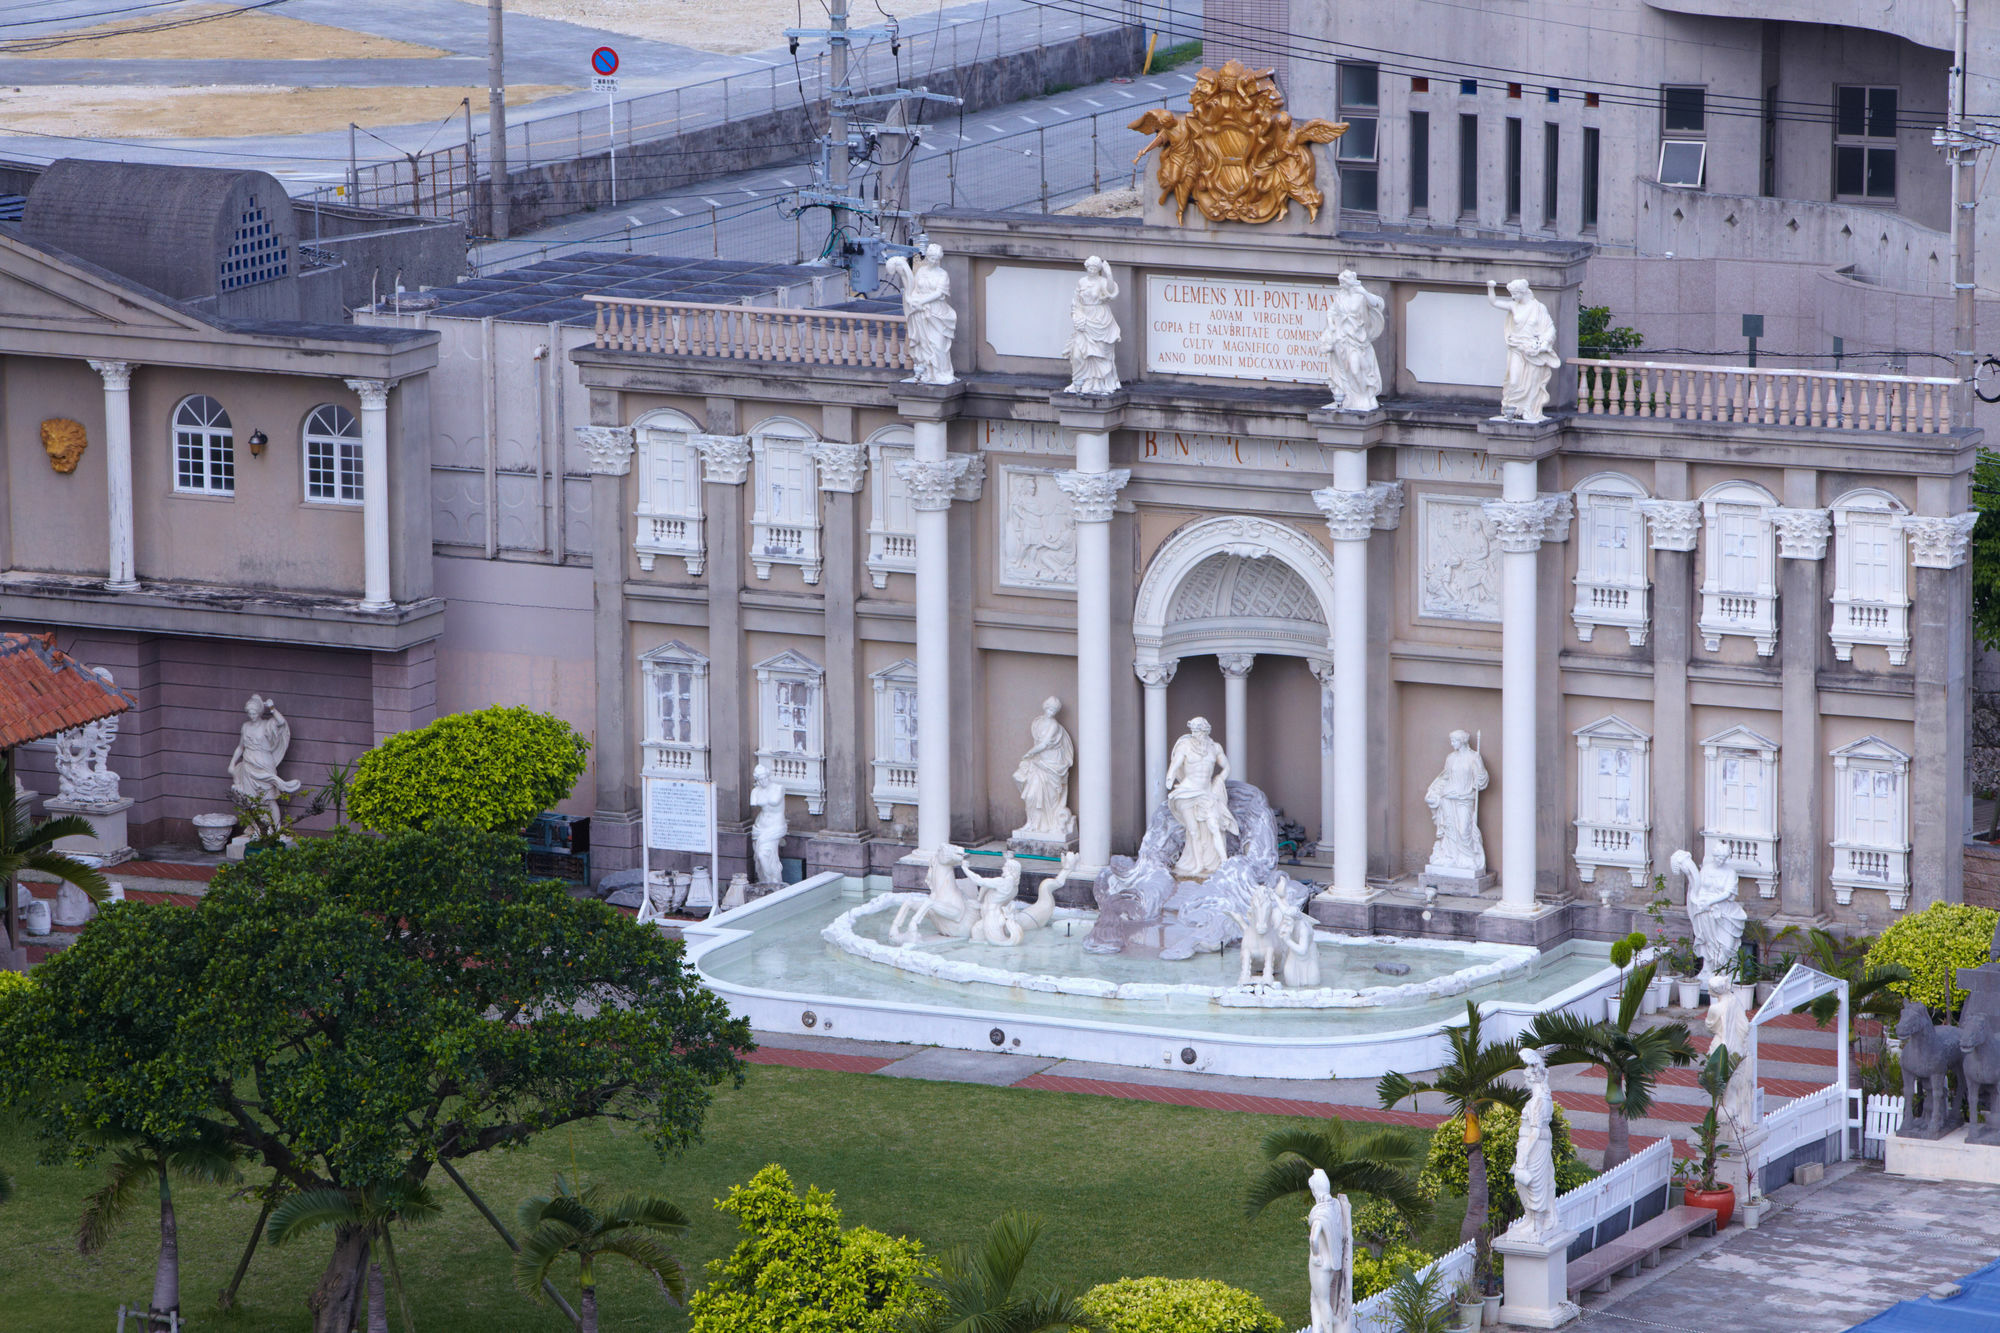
x,y
20,45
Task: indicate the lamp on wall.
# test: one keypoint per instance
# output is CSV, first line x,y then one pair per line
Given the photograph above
x,y
257,442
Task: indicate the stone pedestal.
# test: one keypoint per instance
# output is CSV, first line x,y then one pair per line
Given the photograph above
x,y
1456,881
1537,1280
107,818
1948,1158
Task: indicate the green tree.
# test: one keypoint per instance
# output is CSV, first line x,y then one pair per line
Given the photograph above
x,y
1447,1169
371,1212
355,1010
1872,992
1596,338
1472,1084
26,845
1378,1161
975,1288
151,1164
590,1224
1633,1057
1986,549
496,768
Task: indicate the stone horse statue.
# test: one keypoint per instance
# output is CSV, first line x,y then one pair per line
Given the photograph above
x,y
950,910
1979,1059
1263,924
1931,1055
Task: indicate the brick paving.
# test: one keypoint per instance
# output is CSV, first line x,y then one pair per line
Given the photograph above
x,y
823,1060
164,870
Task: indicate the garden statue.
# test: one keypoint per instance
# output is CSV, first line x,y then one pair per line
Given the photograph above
x,y
1453,797
1534,1155
1329,1257
737,893
82,756
1301,966
1037,914
1930,1055
1043,775
993,923
1979,1072
1094,331
1531,352
929,320
260,747
1197,772
768,830
1263,925
1712,910
1353,323
951,911
1728,1022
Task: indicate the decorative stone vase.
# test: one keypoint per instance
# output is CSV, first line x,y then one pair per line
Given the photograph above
x,y
1687,991
1721,1199
213,829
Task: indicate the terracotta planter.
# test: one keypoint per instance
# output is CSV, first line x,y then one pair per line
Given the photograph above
x,y
1722,1200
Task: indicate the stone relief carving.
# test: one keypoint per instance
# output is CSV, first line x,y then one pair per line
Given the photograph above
x,y
1354,320
64,441
1094,333
82,757
1038,543
1460,575
1388,504
971,478
1673,524
1938,542
1095,493
841,467
607,449
929,320
725,459
1802,533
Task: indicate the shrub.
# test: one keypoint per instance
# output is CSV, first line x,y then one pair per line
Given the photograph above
x,y
1176,1305
1444,1171
796,1271
1372,1275
495,769
13,984
1934,944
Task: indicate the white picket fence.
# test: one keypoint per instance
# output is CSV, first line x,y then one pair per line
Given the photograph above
x,y
1372,1315
1882,1118
1614,1193
1812,1118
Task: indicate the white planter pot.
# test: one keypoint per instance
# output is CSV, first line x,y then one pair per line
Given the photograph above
x,y
1687,993
1611,1003
35,916
1656,995
214,829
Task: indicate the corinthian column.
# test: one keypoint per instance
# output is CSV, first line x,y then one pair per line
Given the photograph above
x,y
1156,676
1236,710
1093,488
932,479
118,470
1520,520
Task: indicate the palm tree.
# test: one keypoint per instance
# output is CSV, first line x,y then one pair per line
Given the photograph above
x,y
976,1287
1632,1057
1377,1160
1471,1085
207,1160
1868,993
26,845
590,1223
371,1209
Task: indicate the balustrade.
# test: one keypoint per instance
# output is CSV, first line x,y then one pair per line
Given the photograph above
x,y
1764,396
751,333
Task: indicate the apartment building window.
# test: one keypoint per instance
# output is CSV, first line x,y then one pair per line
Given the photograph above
x,y
1590,142
1864,143
204,448
1683,136
1513,168
1871,597
669,517
333,456
1360,100
1420,162
892,519
1551,172
784,527
1612,814
1610,557
1740,804
1468,166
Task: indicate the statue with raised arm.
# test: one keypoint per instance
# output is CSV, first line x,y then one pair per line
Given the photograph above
x,y
1532,357
1093,339
1713,911
1329,1258
261,744
1353,322
767,794
1453,797
929,320
1196,774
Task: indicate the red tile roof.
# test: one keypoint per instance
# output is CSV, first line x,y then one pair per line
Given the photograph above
x,y
44,691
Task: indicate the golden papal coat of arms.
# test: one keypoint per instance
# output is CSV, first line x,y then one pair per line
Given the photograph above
x,y
1236,153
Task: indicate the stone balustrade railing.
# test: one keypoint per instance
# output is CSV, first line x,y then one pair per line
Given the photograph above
x,y
751,333
1760,396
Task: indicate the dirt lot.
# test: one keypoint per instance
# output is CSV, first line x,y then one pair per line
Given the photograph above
x,y
728,26
254,36
222,111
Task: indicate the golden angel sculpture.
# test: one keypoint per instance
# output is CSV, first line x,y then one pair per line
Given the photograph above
x,y
1236,154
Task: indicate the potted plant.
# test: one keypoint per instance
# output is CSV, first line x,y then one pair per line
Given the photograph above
x,y
266,832
1685,964
1419,1303
1700,1189
1623,954
1471,1305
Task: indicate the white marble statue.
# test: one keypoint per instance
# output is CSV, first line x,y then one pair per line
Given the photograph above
x,y
929,320
1039,541
1712,909
260,747
83,775
1094,334
1531,352
985,909
1300,969
993,922
1043,775
1728,1022
1329,1258
767,794
1263,925
1353,322
1196,773
1534,1154
1453,797
947,906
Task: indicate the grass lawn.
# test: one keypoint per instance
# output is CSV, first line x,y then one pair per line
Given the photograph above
x,y
1128,1189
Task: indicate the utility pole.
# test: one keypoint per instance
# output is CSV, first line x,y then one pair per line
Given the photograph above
x,y
1964,189
836,102
496,118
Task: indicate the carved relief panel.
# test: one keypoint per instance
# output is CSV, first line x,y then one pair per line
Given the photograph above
x,y
1458,576
1037,530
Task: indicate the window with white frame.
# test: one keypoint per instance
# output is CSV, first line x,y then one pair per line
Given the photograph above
x,y
1864,143
1613,819
791,726
892,521
1740,804
895,760
676,683
1610,557
1739,587
1871,821
784,525
1683,135
333,456
669,511
204,448
1871,599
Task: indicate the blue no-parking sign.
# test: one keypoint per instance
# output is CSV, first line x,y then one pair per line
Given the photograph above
x,y
604,61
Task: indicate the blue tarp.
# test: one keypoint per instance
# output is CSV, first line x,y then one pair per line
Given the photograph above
x,y
1976,1309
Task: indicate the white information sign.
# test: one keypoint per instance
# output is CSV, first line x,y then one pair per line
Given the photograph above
x,y
680,814
1235,329
604,84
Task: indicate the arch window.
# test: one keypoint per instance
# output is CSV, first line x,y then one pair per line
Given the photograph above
x,y
1871,600
333,456
1610,557
204,448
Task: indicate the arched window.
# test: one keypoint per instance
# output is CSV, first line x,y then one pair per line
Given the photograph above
x,y
204,448
333,456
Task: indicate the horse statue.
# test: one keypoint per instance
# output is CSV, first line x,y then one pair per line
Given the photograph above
x,y
952,912
1263,924
1979,1059
1931,1055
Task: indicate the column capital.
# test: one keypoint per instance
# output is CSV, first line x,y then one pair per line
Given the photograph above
x,y
725,459
117,374
1157,675
1521,526
933,483
374,393
1672,524
1938,541
608,449
1095,493
971,478
1350,515
1236,665
1388,504
1802,533
1557,528
1322,669
841,466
